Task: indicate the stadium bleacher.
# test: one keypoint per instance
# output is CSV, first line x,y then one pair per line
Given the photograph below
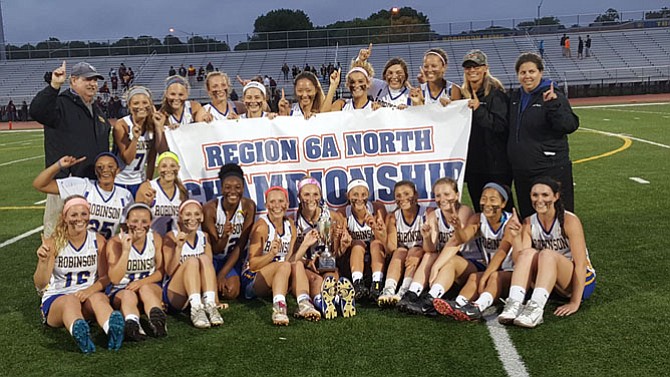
x,y
617,56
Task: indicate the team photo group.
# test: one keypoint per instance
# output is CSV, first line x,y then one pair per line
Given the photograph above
x,y
128,235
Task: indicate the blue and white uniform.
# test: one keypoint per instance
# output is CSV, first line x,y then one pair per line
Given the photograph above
x,y
394,97
296,111
244,116
444,230
482,248
74,269
106,206
186,116
141,263
165,209
233,239
219,115
409,234
192,250
349,105
359,231
304,226
553,240
444,93
135,173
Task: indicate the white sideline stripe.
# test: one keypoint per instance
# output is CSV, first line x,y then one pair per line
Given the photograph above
x,y
19,131
507,353
40,202
639,180
21,236
628,136
619,105
21,160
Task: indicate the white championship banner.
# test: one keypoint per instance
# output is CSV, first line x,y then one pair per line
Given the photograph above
x,y
419,144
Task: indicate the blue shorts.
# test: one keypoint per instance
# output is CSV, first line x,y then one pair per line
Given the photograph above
x,y
590,284
220,262
166,300
478,264
46,305
132,188
247,280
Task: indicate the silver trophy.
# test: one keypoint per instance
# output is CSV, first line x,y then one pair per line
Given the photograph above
x,y
326,259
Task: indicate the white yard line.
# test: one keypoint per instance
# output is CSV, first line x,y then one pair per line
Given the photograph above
x,y
507,353
40,202
21,236
639,180
21,160
628,136
620,105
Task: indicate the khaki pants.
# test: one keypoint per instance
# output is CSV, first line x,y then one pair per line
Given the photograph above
x,y
52,209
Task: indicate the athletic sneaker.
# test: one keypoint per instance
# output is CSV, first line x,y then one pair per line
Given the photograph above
x,y
199,317
307,311
408,299
347,294
387,298
158,322
279,316
375,290
361,290
116,330
530,316
468,312
133,331
445,307
82,335
427,307
510,312
328,294
213,314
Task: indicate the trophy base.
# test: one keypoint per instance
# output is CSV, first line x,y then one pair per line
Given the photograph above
x,y
327,265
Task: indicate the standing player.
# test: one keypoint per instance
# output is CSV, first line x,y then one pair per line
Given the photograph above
x,y
550,252
435,88
135,271
179,109
217,85
393,89
228,222
106,199
358,80
70,275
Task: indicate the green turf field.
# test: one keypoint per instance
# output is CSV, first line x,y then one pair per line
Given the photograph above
x,y
622,330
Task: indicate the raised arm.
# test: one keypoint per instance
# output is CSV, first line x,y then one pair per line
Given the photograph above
x,y
46,182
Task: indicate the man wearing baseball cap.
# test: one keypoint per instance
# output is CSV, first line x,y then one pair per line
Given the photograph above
x,y
73,126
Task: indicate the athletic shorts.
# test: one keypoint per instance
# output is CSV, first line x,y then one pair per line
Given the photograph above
x,y
46,306
247,280
132,188
166,300
481,267
220,262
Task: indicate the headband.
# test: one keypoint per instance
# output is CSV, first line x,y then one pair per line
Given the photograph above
x,y
187,202
138,90
276,188
357,183
108,154
308,181
176,80
359,69
167,154
255,84
438,55
497,187
75,202
236,174
139,205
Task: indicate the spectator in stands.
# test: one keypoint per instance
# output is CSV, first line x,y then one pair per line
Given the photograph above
x,y
210,67
233,95
172,71
563,38
568,52
487,154
580,49
112,72
273,85
191,75
307,68
201,74
104,90
182,71
125,79
24,111
115,84
285,69
132,76
122,71
540,119
540,47
294,71
11,111
587,46
69,113
266,82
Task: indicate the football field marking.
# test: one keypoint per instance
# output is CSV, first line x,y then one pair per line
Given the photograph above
x,y
626,144
21,236
21,160
40,202
639,180
621,136
620,105
507,353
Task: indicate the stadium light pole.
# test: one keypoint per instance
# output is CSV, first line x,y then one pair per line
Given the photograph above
x,y
172,30
538,9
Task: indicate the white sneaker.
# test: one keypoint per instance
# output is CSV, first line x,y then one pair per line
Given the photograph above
x,y
279,316
199,317
386,298
214,316
511,311
531,315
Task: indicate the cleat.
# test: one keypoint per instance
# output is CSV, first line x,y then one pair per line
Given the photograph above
x,y
133,331
511,311
213,314
530,316
116,330
307,311
158,322
407,299
347,297
328,294
375,290
445,307
279,316
427,307
82,335
387,298
199,317
468,312
361,290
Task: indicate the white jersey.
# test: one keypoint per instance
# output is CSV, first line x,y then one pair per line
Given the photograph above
x,y
106,206
165,209
141,263
394,97
444,93
285,238
216,114
444,230
244,116
409,235
304,227
194,250
358,231
296,111
237,222
552,239
488,241
349,105
377,87
74,269
135,173
186,115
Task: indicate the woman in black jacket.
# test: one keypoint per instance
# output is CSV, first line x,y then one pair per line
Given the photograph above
x,y
487,154
540,119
